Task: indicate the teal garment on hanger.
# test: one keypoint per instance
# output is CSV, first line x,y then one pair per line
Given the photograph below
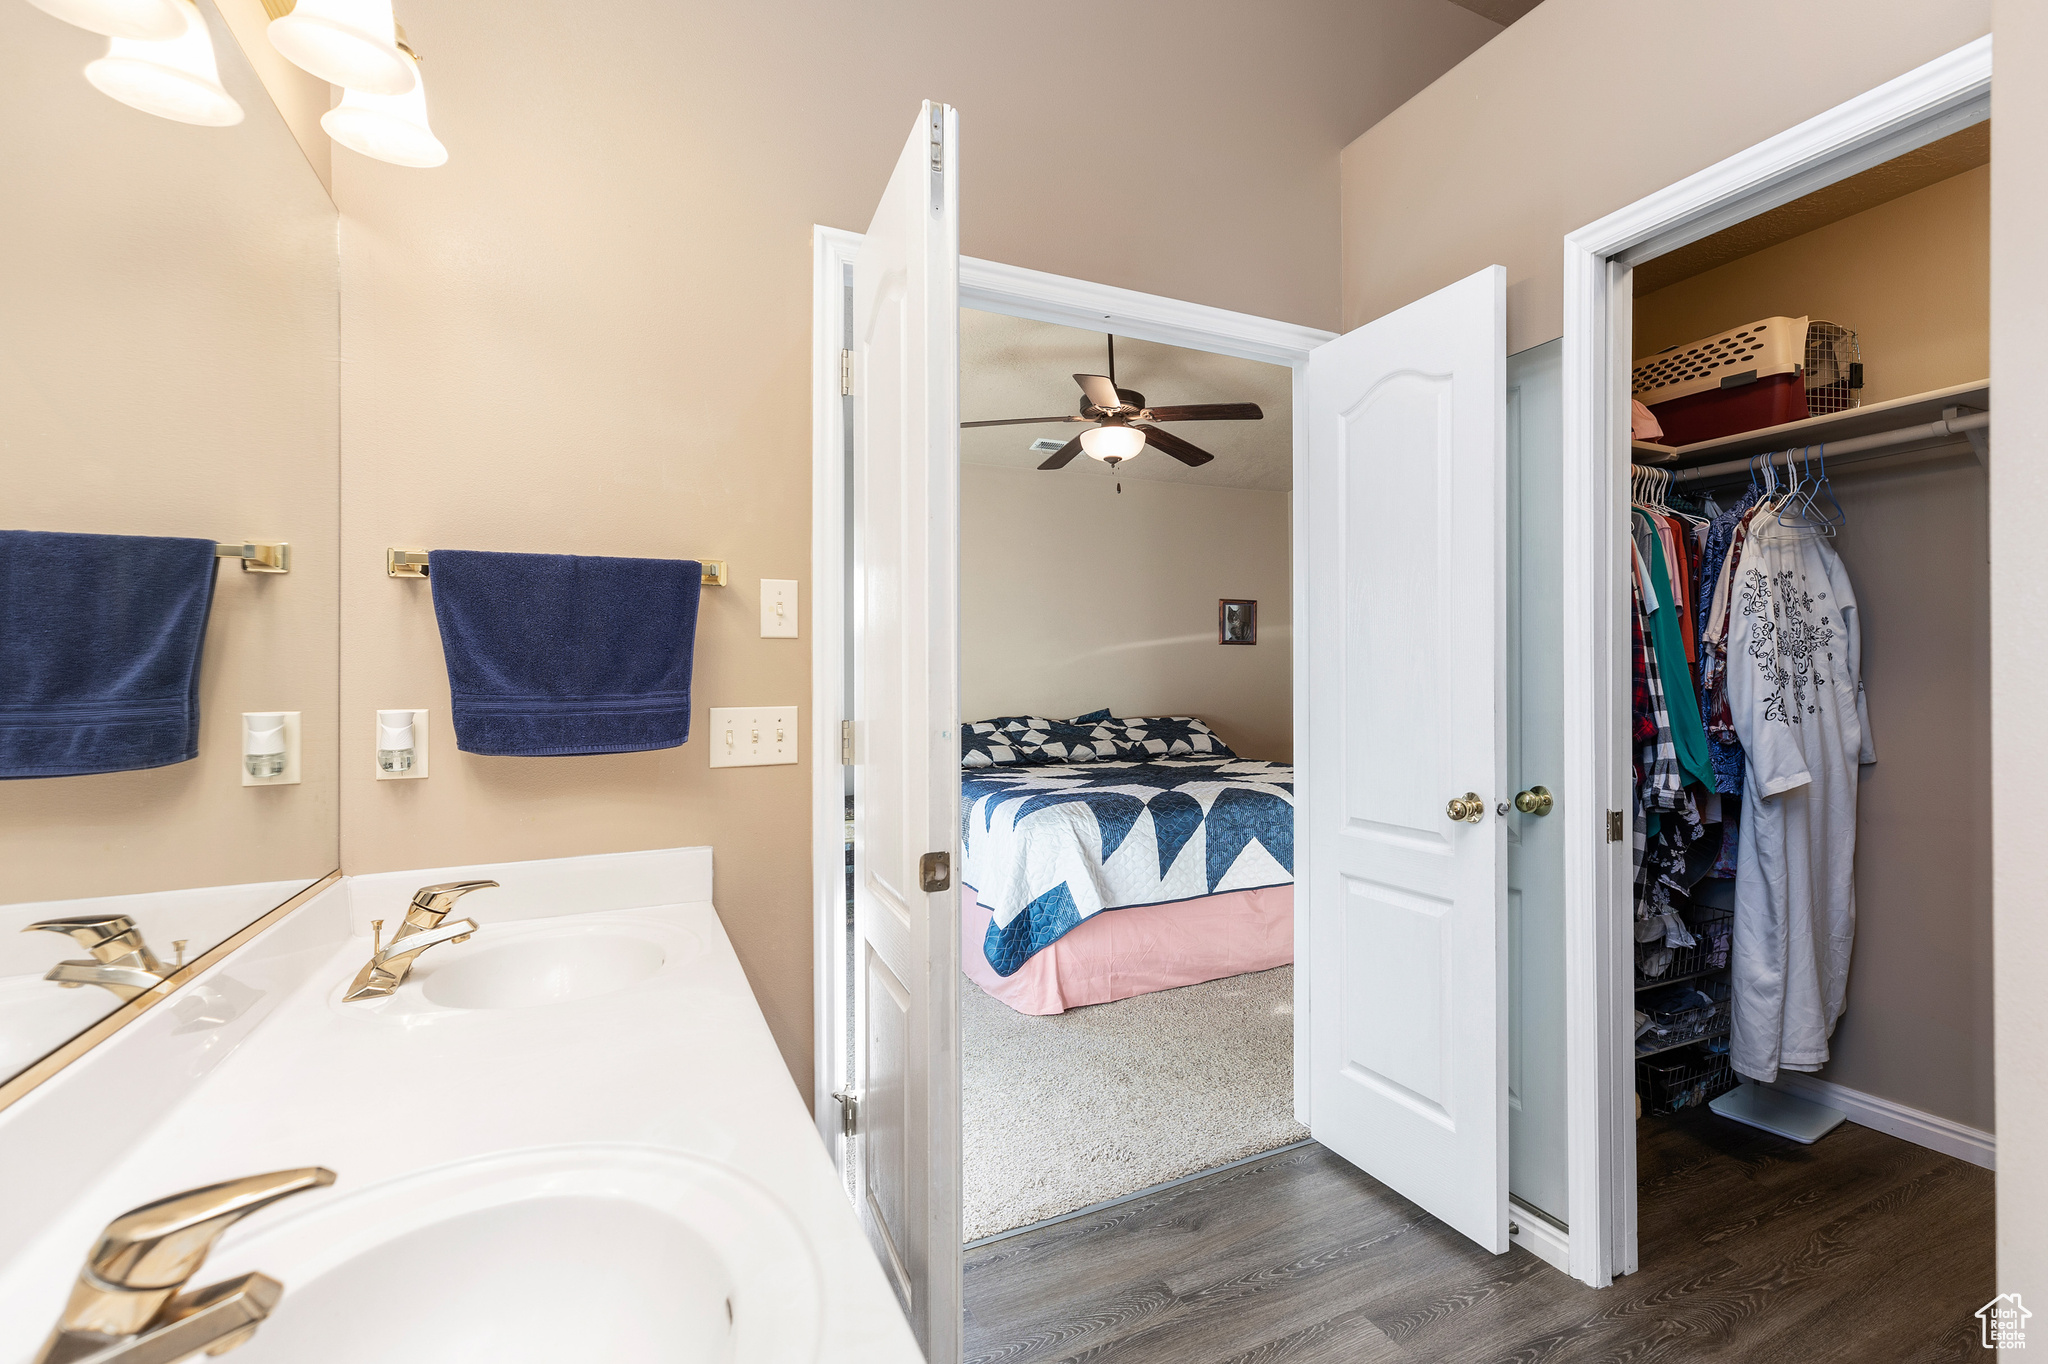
x,y
1688,735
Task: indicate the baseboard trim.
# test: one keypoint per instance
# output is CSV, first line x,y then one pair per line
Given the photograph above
x,y
1540,1236
1895,1119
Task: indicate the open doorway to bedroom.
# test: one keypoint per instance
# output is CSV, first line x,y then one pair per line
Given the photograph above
x,y
1127,727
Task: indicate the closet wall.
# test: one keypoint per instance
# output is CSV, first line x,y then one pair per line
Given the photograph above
x,y
1073,596
1912,276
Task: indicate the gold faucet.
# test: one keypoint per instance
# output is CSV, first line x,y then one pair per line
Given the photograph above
x,y
126,1307
122,961
390,962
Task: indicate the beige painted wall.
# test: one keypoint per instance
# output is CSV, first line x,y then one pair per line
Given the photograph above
x,y
1582,108
1073,597
2019,631
590,331
1913,277
167,367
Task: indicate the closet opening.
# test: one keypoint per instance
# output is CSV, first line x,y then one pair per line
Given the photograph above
x,y
1798,723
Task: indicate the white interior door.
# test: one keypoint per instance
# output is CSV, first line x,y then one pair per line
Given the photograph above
x,y
906,315
1406,681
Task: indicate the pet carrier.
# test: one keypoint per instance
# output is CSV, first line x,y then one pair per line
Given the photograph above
x,y
1762,374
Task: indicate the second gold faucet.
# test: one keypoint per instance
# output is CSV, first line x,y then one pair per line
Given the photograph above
x,y
391,962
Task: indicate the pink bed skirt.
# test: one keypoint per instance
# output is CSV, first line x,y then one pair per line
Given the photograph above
x,y
1118,953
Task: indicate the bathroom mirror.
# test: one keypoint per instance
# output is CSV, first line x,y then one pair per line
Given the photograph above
x,y
168,325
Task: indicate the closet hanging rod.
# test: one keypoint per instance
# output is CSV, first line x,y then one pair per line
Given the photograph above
x,y
412,563
257,556
1850,451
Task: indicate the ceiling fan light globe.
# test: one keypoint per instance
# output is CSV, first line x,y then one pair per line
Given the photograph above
x,y
1110,443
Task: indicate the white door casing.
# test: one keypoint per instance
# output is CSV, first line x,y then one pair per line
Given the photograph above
x,y
1406,661
906,1150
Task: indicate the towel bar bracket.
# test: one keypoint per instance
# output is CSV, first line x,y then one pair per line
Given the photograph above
x,y
405,563
412,563
258,556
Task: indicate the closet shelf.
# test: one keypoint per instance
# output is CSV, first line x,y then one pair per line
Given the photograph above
x,y
1645,983
1707,1036
1874,420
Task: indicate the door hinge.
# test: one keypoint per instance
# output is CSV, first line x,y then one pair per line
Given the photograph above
x,y
846,374
849,1113
935,872
938,157
846,743
1614,826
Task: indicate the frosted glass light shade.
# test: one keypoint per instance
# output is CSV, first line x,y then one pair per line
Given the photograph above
x,y
175,79
350,43
1112,442
388,127
153,20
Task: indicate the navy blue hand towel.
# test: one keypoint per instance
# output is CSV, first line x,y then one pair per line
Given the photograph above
x,y
552,654
99,651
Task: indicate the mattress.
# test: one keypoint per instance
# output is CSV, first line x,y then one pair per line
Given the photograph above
x,y
1137,950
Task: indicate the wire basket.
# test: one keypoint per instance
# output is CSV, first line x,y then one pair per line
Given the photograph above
x,y
1684,1013
1683,1079
1834,368
1712,931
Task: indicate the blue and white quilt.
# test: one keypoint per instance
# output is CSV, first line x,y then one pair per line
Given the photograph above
x,y
1048,847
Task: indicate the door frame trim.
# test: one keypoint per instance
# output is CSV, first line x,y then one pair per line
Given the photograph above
x,y
1940,97
1016,292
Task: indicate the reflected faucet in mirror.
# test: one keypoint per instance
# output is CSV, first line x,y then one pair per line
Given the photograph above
x,y
127,1307
121,960
391,962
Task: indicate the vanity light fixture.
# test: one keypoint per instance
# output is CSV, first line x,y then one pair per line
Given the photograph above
x,y
150,20
389,128
175,78
1112,444
350,43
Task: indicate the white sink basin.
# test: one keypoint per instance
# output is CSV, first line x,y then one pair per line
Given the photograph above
x,y
620,1254
38,1016
543,969
531,965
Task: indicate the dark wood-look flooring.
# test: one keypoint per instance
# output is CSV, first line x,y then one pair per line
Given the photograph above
x,y
1860,1247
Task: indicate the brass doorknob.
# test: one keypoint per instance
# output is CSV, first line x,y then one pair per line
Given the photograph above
x,y
1534,801
1467,807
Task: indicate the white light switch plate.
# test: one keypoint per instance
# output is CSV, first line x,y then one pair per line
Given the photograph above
x,y
752,736
778,608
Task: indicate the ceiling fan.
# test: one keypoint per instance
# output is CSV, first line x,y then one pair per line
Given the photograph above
x,y
1123,424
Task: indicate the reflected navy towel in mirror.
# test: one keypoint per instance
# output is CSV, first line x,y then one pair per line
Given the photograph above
x,y
557,654
99,651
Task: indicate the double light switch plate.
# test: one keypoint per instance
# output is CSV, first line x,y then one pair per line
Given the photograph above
x,y
752,736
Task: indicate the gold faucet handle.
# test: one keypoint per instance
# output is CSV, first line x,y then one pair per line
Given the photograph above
x,y
432,902
94,932
162,1244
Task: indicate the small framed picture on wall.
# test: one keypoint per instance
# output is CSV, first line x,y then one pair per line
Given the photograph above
x,y
1237,622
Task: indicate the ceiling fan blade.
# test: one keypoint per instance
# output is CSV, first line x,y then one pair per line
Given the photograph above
x,y
1209,412
1062,457
1101,392
1187,454
1025,421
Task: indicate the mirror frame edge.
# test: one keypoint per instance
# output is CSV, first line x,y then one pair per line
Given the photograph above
x,y
20,1085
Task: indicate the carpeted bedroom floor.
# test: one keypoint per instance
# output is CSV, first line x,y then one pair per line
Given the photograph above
x,y
1067,1110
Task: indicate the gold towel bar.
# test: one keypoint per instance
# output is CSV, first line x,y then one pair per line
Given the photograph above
x,y
412,563
258,556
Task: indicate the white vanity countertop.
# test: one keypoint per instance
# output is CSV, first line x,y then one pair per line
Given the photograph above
x,y
682,1061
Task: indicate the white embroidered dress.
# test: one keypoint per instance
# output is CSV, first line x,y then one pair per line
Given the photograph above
x,y
1795,690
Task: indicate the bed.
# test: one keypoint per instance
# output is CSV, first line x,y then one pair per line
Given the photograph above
x,y
1123,871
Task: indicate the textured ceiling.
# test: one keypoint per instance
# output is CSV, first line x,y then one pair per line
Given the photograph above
x,y
1012,367
1935,162
1502,12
